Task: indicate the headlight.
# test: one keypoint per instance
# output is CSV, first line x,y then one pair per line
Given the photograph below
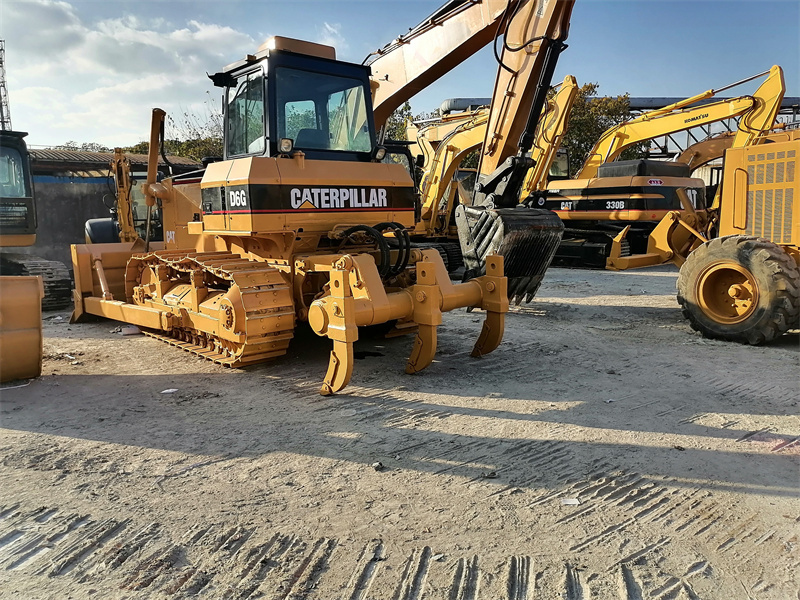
x,y
286,145
379,153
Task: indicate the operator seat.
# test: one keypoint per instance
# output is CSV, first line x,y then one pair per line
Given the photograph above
x,y
312,138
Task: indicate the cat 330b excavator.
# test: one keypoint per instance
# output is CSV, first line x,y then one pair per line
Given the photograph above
x,y
302,222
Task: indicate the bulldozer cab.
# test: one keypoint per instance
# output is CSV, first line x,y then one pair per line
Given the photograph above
x,y
17,209
300,142
280,100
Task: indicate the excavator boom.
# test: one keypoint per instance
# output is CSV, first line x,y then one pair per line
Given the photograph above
x,y
759,112
445,39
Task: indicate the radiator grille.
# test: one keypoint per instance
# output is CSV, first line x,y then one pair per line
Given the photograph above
x,y
770,195
16,218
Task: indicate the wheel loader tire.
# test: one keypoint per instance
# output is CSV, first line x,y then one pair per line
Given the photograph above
x,y
740,288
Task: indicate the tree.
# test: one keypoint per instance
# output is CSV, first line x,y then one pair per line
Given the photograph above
x,y
397,123
590,117
193,135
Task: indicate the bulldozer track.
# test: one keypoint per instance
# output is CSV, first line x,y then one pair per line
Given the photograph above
x,y
55,277
266,299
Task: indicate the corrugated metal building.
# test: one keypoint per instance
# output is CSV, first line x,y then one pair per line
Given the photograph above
x,y
72,187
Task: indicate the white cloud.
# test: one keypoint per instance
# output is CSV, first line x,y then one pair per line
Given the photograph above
x,y
330,35
97,81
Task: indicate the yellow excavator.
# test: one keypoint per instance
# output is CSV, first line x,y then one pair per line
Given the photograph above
x,y
608,196
302,221
18,225
464,133
20,294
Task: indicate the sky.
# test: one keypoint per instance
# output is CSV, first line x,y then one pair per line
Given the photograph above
x,y
91,71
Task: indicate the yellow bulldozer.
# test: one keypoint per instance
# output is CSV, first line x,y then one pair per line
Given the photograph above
x,y
302,221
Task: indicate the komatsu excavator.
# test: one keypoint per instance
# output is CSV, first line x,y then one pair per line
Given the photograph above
x,y
608,196
301,221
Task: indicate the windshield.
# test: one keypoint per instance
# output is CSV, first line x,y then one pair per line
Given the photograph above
x,y
246,126
12,175
321,111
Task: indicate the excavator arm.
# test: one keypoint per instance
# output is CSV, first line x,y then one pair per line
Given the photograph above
x,y
448,37
121,167
757,114
468,136
496,222
549,135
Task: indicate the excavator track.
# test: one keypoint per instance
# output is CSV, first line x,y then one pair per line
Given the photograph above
x,y
55,276
253,301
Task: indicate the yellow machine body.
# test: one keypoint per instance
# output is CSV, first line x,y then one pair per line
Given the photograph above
x,y
20,295
761,187
20,327
260,242
745,284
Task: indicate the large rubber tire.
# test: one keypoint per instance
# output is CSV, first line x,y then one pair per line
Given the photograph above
x,y
740,288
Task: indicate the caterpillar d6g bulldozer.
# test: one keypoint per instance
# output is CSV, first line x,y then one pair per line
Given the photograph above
x,y
301,221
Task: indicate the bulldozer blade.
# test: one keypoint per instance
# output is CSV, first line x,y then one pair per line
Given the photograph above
x,y
527,238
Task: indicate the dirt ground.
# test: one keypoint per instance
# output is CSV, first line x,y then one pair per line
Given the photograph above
x,y
604,450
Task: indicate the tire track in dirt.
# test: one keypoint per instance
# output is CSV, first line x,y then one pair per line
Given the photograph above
x,y
239,562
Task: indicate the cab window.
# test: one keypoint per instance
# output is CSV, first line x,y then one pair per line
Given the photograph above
x,y
245,112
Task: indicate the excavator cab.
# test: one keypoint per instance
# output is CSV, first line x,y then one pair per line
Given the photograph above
x,y
17,210
20,292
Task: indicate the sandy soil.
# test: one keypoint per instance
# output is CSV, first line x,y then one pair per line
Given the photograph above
x,y
603,451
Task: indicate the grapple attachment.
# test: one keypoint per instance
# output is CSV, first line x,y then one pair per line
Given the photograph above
x,y
526,238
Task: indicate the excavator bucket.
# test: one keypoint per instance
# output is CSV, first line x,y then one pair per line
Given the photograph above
x,y
526,238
